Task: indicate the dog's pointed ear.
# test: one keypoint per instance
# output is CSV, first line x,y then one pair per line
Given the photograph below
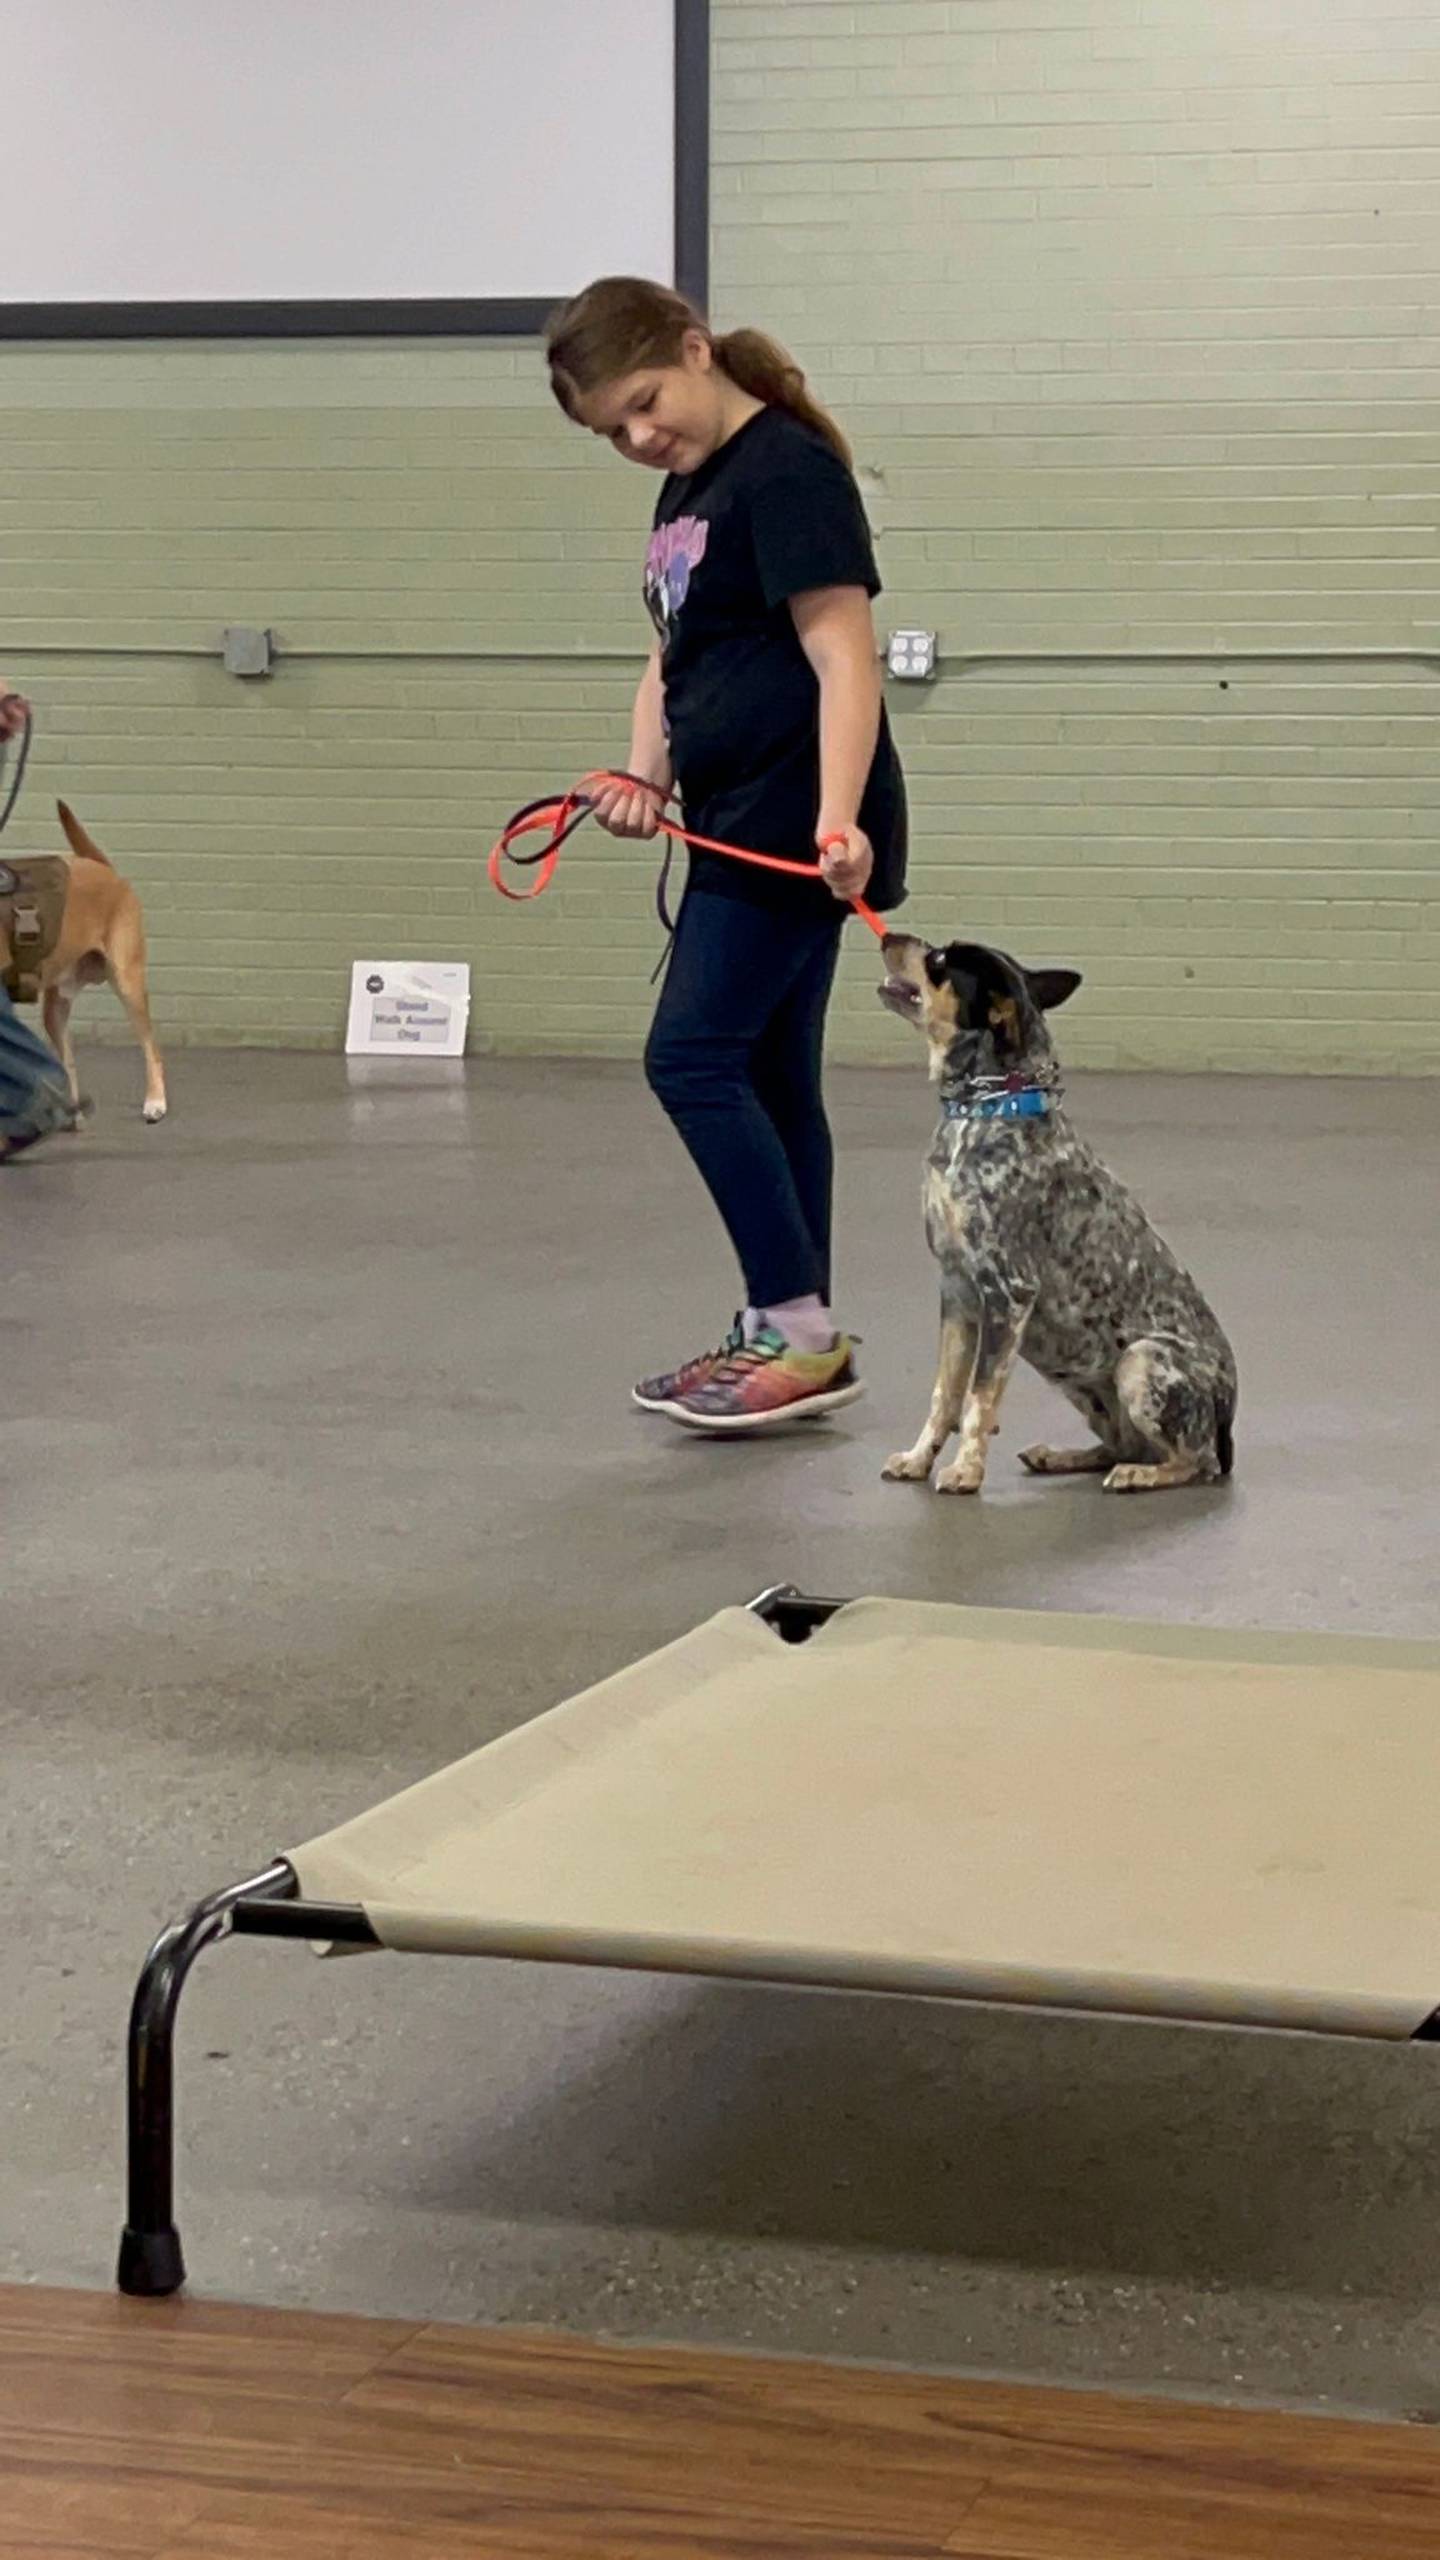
x,y
1049,987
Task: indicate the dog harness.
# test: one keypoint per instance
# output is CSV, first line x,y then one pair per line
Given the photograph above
x,y
33,888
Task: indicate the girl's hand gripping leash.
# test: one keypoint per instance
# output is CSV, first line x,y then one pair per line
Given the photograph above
x,y
560,818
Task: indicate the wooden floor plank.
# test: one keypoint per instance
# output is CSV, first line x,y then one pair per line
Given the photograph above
x,y
583,2529
415,2519
1056,2515
46,2508
451,2477
25,2547
1080,2477
319,2347
200,2432
507,2419
1002,2422
43,2507
776,2438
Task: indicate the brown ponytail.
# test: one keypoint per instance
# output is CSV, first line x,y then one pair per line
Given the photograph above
x,y
622,323
761,366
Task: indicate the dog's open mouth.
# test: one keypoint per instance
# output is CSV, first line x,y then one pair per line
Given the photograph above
x,y
901,995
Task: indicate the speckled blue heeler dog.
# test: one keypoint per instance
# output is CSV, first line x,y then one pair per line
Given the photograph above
x,y
1043,1252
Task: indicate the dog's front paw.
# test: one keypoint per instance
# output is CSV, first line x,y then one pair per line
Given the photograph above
x,y
152,1112
966,1476
906,1467
1157,1479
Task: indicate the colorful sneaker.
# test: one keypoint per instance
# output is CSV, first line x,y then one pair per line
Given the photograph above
x,y
767,1381
657,1395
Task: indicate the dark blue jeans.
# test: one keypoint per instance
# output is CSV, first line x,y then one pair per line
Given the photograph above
x,y
734,1056
33,1092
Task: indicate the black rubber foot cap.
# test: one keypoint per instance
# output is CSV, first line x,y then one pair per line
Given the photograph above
x,y
150,2261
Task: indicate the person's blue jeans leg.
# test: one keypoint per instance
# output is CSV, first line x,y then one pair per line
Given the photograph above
x,y
787,1071
34,1096
734,1058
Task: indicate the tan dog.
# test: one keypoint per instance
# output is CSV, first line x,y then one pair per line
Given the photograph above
x,y
102,937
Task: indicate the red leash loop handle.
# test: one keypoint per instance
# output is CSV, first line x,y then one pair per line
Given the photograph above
x,y
560,818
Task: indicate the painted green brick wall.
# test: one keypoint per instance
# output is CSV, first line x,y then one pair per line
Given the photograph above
x,y
1130,306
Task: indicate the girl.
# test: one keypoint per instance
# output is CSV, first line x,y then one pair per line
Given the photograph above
x,y
761,700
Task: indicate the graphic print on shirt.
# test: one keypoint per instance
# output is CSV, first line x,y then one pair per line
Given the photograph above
x,y
675,550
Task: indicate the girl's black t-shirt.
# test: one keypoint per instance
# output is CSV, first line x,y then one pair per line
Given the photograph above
x,y
771,514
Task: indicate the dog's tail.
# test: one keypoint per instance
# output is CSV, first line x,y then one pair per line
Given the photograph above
x,y
1225,1431
81,841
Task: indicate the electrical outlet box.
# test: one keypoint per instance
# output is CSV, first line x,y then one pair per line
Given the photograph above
x,y
910,655
247,652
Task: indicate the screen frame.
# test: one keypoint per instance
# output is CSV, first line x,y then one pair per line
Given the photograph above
x,y
495,316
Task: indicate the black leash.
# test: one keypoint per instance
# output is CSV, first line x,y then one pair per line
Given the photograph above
x,y
524,861
21,760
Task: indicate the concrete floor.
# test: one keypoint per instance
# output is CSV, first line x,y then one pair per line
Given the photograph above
x,y
319,1470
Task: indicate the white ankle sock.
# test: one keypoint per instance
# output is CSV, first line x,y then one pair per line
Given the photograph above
x,y
807,1322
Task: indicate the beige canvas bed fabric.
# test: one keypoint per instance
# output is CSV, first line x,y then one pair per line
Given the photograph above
x,y
1070,1812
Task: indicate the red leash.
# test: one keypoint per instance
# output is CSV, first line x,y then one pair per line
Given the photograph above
x,y
561,817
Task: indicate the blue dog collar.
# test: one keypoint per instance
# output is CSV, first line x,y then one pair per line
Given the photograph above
x,y
1027,1102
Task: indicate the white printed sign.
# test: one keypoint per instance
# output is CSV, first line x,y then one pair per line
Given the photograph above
x,y
408,1008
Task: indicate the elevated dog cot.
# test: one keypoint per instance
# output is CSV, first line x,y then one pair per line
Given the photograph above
x,y
897,1796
